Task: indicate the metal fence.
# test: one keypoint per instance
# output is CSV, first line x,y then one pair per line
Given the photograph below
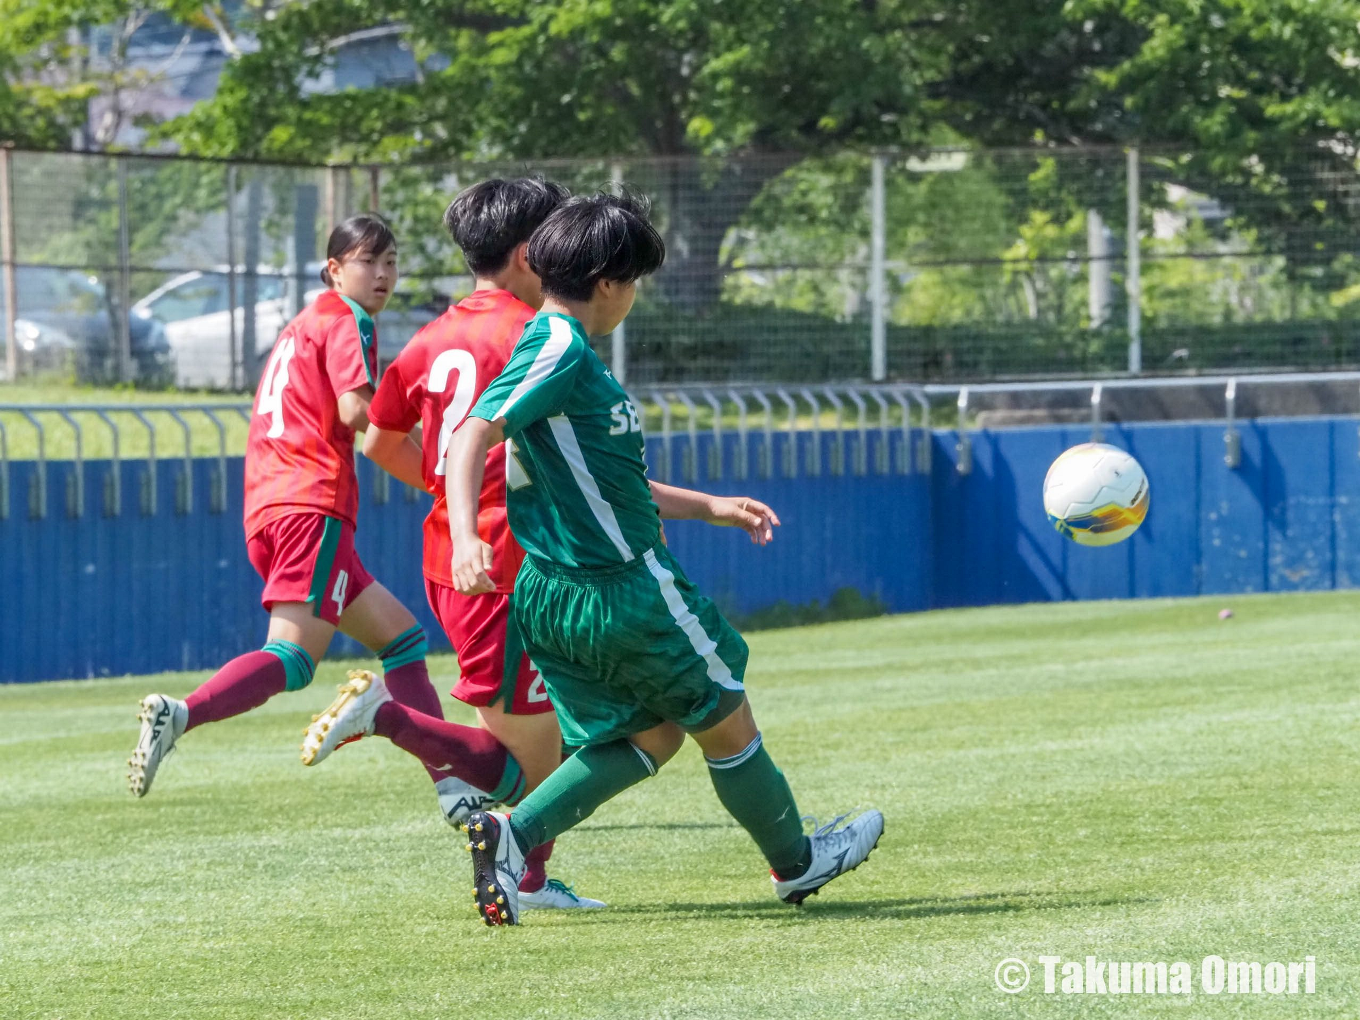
x,y
945,265
698,434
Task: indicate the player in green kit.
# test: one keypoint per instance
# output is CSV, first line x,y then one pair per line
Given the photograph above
x,y
633,656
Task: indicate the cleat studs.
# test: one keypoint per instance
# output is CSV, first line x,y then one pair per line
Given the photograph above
x,y
500,901
468,848
504,915
491,888
479,826
481,845
463,827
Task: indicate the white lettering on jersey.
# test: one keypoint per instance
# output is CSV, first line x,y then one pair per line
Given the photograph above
x,y
625,418
445,365
515,475
275,379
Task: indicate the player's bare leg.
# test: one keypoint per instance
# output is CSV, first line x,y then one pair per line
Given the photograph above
x,y
297,640
756,794
534,740
297,622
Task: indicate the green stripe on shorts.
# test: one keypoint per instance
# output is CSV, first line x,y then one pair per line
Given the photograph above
x,y
325,561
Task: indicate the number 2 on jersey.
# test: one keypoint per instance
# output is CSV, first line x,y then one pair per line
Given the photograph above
x,y
275,379
445,365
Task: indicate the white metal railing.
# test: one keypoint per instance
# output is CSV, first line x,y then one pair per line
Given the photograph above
x,y
1232,439
112,497
901,415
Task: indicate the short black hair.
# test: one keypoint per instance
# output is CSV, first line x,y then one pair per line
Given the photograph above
x,y
593,238
489,220
367,233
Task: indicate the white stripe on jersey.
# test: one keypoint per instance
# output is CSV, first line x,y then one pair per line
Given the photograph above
x,y
599,506
559,336
704,645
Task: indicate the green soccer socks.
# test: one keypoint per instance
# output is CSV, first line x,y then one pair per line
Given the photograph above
x,y
582,783
756,794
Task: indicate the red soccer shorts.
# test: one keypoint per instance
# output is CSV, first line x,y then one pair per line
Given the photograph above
x,y
491,657
309,558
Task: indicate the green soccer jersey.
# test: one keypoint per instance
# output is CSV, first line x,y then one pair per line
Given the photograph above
x,y
576,482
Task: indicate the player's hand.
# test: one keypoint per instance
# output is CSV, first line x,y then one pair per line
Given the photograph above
x,y
751,515
472,567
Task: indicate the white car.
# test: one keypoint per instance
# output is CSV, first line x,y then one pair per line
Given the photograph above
x,y
194,308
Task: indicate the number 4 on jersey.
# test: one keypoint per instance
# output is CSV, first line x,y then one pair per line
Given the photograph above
x,y
276,378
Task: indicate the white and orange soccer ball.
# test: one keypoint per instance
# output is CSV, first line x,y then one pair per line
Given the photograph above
x,y
1096,494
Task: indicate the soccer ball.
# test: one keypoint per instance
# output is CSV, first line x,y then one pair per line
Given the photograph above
x,y
1096,494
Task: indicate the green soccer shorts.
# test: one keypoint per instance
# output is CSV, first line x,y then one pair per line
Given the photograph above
x,y
622,649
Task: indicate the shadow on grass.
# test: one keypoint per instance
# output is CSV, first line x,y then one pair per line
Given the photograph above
x,y
655,825
864,910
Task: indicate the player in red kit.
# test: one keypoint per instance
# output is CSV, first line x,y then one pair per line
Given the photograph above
x,y
301,504
434,383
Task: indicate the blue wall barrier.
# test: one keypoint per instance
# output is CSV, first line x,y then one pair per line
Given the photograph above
x,y
154,588
1287,518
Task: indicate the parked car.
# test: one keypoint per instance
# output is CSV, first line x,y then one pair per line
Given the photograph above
x,y
194,309
65,320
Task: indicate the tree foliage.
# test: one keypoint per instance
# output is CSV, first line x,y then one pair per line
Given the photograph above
x,y
1253,103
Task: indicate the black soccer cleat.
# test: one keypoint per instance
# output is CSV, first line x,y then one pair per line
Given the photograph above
x,y
497,867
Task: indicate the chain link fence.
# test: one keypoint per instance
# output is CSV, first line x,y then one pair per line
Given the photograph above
x,y
944,265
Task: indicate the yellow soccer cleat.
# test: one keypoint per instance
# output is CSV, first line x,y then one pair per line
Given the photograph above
x,y
349,717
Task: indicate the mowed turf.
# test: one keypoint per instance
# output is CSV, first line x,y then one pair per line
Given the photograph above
x,y
1137,781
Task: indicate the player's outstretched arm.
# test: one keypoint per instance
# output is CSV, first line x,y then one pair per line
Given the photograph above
x,y
464,465
751,515
396,453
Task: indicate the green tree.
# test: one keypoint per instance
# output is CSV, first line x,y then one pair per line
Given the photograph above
x,y
632,78
51,68
1255,102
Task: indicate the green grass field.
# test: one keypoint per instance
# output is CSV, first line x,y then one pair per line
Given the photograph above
x,y
1137,781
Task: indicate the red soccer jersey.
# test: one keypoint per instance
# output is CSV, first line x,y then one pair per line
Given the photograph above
x,y
435,381
299,454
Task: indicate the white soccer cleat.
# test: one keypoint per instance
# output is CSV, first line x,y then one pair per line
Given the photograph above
x,y
163,720
349,717
458,799
556,895
834,852
497,867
